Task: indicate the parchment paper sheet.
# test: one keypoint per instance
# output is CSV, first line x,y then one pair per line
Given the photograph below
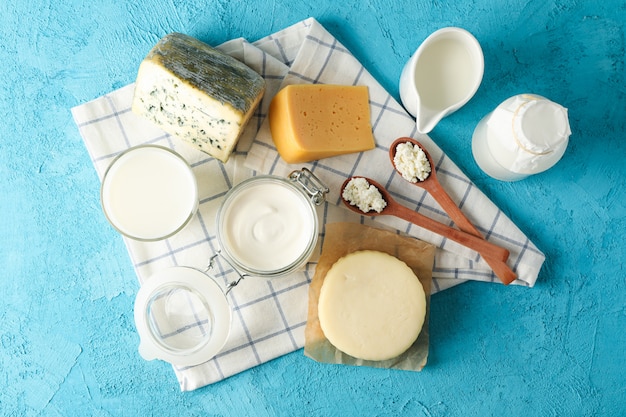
x,y
342,239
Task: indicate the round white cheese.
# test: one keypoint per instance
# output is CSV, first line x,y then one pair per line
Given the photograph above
x,y
372,306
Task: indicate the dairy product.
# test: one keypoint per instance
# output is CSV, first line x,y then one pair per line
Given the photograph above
x,y
442,75
315,121
446,73
411,162
358,192
149,192
526,134
371,305
266,225
197,93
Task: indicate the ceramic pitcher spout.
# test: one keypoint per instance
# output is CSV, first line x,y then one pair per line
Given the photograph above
x,y
426,118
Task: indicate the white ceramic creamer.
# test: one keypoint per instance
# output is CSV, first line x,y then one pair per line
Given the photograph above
x,y
526,134
441,76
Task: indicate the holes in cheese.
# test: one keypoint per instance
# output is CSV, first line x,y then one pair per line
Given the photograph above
x,y
197,93
371,306
314,121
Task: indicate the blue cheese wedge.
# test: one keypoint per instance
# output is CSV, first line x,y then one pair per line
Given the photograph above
x,y
197,93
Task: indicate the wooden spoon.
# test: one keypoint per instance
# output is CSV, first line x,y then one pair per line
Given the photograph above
x,y
393,208
435,189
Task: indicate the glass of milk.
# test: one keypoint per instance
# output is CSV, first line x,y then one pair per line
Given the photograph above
x,y
149,193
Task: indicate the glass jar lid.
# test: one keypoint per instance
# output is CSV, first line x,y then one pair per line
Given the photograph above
x,y
182,317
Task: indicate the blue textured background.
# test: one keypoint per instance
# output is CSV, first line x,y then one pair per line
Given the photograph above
x,y
67,339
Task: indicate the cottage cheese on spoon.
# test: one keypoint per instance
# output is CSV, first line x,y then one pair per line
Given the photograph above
x,y
411,162
358,192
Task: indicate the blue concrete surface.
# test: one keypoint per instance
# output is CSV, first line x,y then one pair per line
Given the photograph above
x,y
67,338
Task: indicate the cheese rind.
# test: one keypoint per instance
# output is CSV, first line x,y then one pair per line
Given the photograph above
x,y
372,306
314,121
197,93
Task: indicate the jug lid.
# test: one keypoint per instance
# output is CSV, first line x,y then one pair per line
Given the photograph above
x,y
540,126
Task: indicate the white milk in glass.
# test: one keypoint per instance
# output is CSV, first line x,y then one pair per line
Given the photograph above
x,y
149,193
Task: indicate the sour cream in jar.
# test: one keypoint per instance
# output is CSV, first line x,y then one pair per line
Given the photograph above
x,y
267,226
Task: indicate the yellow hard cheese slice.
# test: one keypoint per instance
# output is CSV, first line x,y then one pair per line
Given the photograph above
x,y
314,121
371,306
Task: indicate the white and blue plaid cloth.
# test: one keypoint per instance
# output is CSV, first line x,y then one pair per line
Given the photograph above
x,y
270,315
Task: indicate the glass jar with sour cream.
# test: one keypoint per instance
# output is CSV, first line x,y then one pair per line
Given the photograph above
x,y
268,226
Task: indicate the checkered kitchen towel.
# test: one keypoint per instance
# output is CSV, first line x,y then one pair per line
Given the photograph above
x,y
269,315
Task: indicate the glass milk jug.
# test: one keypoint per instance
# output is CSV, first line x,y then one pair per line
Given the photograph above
x,y
526,134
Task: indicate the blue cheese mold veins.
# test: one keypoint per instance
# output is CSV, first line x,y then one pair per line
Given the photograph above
x,y
197,93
